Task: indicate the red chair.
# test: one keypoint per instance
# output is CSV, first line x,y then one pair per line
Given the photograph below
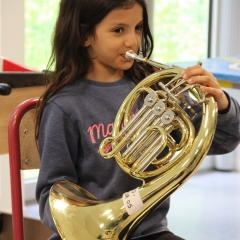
x,y
23,155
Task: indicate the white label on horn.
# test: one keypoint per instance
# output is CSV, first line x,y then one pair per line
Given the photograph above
x,y
132,201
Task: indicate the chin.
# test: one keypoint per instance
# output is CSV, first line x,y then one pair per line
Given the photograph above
x,y
127,66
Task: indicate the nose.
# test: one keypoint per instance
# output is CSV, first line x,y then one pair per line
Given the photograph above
x,y
133,40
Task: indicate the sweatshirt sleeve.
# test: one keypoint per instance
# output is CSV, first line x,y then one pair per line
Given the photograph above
x,y
227,134
58,148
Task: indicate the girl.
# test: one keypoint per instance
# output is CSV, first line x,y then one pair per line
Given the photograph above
x,y
90,80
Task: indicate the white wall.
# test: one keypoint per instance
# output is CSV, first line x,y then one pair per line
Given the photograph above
x,y
12,30
11,47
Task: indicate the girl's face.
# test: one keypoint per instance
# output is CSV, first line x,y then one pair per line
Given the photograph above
x,y
117,33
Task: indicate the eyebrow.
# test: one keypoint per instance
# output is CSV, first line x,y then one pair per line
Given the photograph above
x,y
124,24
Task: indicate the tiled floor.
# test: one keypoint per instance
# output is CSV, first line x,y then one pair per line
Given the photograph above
x,y
207,207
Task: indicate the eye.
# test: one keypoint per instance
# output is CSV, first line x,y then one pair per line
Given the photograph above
x,y
139,27
118,30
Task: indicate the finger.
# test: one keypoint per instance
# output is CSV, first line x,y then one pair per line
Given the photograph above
x,y
195,71
205,81
219,96
191,68
188,73
210,91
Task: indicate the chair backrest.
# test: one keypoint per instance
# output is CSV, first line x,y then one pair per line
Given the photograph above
x,y
23,154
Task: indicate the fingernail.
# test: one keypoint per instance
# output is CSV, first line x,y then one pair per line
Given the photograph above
x,y
185,76
190,80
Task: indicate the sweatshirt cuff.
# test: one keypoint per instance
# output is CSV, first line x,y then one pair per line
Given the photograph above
x,y
227,115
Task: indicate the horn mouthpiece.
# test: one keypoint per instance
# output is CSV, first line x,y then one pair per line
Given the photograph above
x,y
130,55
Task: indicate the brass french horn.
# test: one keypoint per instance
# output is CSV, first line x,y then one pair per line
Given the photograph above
x,y
137,146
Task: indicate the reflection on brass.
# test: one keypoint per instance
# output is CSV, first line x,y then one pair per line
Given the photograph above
x,y
144,148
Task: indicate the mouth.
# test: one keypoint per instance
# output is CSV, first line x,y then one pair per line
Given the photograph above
x,y
123,56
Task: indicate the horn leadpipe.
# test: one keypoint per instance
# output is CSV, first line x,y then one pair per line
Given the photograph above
x,y
130,55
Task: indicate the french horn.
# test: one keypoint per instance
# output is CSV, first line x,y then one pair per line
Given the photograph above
x,y
144,147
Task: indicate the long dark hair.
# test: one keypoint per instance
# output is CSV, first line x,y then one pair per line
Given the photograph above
x,y
69,60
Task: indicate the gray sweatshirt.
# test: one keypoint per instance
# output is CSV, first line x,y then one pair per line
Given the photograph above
x,y
74,123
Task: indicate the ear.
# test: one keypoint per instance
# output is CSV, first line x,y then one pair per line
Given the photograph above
x,y
87,42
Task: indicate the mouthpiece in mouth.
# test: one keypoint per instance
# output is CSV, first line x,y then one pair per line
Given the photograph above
x,y
130,55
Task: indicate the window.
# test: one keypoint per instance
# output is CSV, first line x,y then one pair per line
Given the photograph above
x,y
180,30
40,18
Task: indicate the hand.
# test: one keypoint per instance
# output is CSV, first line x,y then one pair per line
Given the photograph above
x,y
210,85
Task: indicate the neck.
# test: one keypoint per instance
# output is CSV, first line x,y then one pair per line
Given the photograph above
x,y
104,77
